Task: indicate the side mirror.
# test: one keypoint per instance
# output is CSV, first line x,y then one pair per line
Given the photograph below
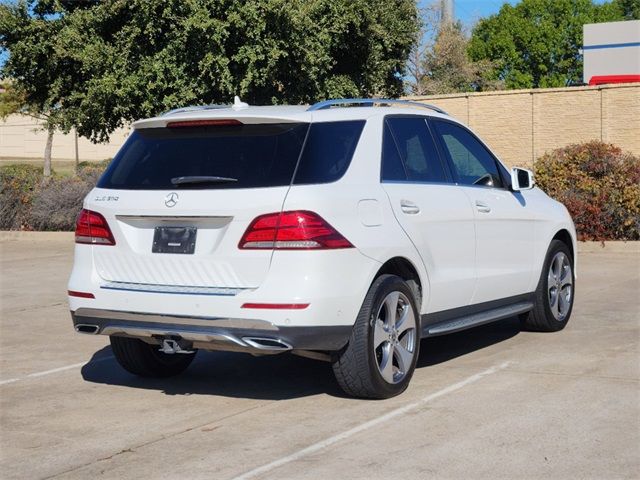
x,y
521,179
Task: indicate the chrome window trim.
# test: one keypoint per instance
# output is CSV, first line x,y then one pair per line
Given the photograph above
x,y
410,182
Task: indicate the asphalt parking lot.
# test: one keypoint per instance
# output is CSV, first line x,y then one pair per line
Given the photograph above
x,y
493,402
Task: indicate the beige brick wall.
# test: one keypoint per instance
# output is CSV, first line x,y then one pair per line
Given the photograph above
x,y
560,118
21,137
621,117
521,125
505,134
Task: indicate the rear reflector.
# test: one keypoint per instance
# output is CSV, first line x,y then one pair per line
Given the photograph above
x,y
73,293
205,123
294,230
276,306
92,228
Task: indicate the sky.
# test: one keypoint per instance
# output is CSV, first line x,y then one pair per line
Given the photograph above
x,y
470,11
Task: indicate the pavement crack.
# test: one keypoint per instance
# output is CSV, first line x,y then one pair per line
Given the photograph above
x,y
134,448
37,307
126,450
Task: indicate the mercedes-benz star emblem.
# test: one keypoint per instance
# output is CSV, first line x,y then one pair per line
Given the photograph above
x,y
171,199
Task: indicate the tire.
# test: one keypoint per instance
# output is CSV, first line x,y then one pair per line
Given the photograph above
x,y
551,312
380,358
143,359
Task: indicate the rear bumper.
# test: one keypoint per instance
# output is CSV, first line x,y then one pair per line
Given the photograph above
x,y
211,333
332,282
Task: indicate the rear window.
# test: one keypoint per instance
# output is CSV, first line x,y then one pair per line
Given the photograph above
x,y
262,155
233,156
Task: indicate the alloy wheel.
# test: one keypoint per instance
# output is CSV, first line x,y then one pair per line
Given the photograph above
x,y
560,286
394,339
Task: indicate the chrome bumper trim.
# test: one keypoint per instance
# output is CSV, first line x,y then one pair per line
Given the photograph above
x,y
171,289
147,332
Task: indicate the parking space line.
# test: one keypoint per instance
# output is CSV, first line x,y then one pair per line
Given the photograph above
x,y
370,424
53,370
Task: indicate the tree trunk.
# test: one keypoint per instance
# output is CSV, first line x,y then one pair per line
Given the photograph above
x,y
75,135
47,153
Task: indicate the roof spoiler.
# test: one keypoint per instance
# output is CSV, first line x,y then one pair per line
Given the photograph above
x,y
237,105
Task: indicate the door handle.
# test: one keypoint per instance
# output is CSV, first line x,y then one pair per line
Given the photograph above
x,y
409,207
482,207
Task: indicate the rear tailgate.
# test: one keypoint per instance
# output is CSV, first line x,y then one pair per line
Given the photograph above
x,y
220,218
231,173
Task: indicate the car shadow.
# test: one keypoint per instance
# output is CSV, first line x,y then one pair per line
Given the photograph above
x,y
279,377
435,350
238,375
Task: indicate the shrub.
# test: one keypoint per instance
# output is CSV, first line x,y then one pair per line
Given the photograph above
x,y
28,202
91,171
18,184
599,185
57,203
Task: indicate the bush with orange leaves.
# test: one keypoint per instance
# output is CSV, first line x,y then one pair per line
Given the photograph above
x,y
600,186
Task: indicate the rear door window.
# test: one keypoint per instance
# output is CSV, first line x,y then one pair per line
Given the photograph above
x,y
409,140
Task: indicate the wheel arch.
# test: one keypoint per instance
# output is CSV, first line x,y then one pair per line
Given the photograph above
x,y
405,269
565,237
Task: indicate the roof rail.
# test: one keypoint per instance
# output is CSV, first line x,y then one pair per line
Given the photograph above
x,y
370,102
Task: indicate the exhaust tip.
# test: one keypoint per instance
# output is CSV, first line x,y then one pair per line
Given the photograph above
x,y
273,344
88,329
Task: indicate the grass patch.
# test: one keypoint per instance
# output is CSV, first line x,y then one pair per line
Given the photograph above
x,y
61,167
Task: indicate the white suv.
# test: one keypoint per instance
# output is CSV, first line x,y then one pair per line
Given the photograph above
x,y
345,231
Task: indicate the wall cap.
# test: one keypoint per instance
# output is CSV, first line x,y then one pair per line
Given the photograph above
x,y
532,91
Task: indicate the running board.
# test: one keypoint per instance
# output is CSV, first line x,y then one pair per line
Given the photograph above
x,y
476,319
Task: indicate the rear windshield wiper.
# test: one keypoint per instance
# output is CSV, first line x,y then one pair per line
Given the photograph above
x,y
201,179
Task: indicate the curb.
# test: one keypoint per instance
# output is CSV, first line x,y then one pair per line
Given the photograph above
x,y
613,246
15,235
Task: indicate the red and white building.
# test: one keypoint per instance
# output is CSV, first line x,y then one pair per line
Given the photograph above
x,y
611,52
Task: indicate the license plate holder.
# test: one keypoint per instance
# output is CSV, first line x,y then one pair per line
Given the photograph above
x,y
180,240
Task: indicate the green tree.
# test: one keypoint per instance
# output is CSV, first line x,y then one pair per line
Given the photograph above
x,y
121,60
34,68
627,9
439,62
536,43
448,68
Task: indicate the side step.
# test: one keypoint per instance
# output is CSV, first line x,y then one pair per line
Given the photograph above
x,y
476,319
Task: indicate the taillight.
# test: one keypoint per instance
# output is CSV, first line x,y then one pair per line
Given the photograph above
x,y
92,228
297,230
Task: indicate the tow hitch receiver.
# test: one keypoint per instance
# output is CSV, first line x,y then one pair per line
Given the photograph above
x,y
171,346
